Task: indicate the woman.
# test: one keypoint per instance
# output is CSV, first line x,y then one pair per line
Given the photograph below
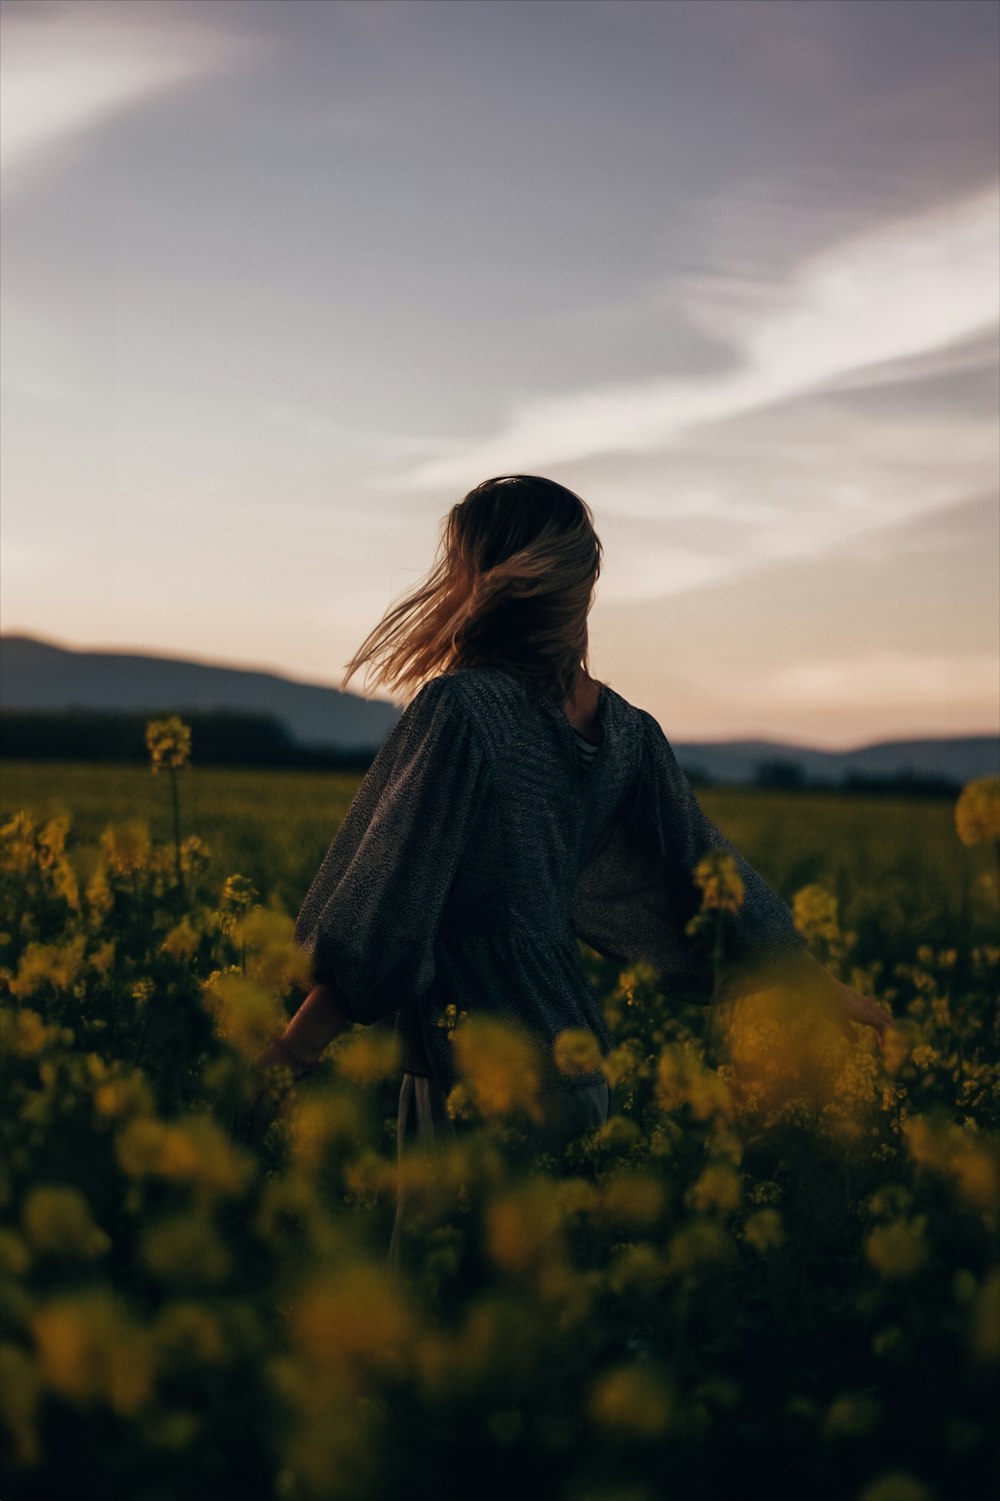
x,y
516,806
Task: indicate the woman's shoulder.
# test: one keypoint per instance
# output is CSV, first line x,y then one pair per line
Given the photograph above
x,y
480,699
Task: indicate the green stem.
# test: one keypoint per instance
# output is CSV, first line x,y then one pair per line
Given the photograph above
x,y
177,832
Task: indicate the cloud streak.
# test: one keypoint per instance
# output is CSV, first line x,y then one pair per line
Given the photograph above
x,y
69,70
899,293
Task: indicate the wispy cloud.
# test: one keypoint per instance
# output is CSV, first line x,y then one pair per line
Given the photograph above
x,y
894,294
68,69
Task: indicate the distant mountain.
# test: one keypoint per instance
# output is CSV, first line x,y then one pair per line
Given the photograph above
x,y
959,759
37,674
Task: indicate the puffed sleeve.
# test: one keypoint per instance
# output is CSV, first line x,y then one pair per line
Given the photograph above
x,y
371,914
664,816
634,898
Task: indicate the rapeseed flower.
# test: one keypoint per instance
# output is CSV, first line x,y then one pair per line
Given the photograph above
x,y
245,1014
127,847
23,1033
366,1055
698,1243
977,811
631,1199
898,1249
577,1051
815,912
353,1318
764,1230
182,940
57,1221
632,1401
186,1248
168,742
501,1065
721,885
54,964
851,1415
718,1187
91,1349
524,1227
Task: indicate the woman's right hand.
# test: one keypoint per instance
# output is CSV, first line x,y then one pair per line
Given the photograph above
x,y
275,1068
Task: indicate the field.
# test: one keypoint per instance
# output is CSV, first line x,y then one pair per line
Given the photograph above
x,y
774,1272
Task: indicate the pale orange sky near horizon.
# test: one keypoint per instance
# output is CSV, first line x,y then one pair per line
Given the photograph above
x,y
280,282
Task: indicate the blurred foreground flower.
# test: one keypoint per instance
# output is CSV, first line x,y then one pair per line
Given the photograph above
x,y
501,1067
977,812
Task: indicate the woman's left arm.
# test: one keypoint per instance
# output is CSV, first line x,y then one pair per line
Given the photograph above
x,y
667,816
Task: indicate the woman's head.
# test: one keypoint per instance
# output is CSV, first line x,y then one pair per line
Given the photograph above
x,y
511,588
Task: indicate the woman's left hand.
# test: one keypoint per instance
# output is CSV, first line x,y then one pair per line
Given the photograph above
x,y
856,1007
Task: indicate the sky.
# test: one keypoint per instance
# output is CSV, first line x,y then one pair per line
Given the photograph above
x,y
281,281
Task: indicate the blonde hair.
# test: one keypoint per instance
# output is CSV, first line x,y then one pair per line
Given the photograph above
x,y
511,587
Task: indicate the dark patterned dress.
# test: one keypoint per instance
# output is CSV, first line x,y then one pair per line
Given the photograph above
x,y
482,844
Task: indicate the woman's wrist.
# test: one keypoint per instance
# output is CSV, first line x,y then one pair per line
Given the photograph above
x,y
319,1019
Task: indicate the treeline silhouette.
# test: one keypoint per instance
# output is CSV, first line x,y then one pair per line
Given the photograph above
x,y
236,737
219,737
790,776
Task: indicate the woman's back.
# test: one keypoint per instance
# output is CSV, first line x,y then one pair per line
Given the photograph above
x,y
455,879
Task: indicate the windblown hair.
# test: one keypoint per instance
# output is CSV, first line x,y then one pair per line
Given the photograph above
x,y
512,586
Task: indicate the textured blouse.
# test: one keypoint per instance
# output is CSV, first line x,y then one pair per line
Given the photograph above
x,y
486,839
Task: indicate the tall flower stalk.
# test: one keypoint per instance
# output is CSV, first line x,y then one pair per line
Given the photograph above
x,y
169,744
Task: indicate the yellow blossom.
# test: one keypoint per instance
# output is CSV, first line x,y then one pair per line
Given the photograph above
x,y
102,958
168,742
91,1349
898,1249
368,1054
502,1066
57,1222
182,940
977,812
274,959
764,1230
55,964
353,1317
245,1013
637,1268
815,912
577,1051
698,1243
127,847
184,1334
718,1187
194,1150
634,1199
186,1248
98,894
122,1097
24,1034
851,1414
524,1227
720,882
328,1119
634,1401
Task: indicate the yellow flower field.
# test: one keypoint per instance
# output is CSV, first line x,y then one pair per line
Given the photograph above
x,y
773,1272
